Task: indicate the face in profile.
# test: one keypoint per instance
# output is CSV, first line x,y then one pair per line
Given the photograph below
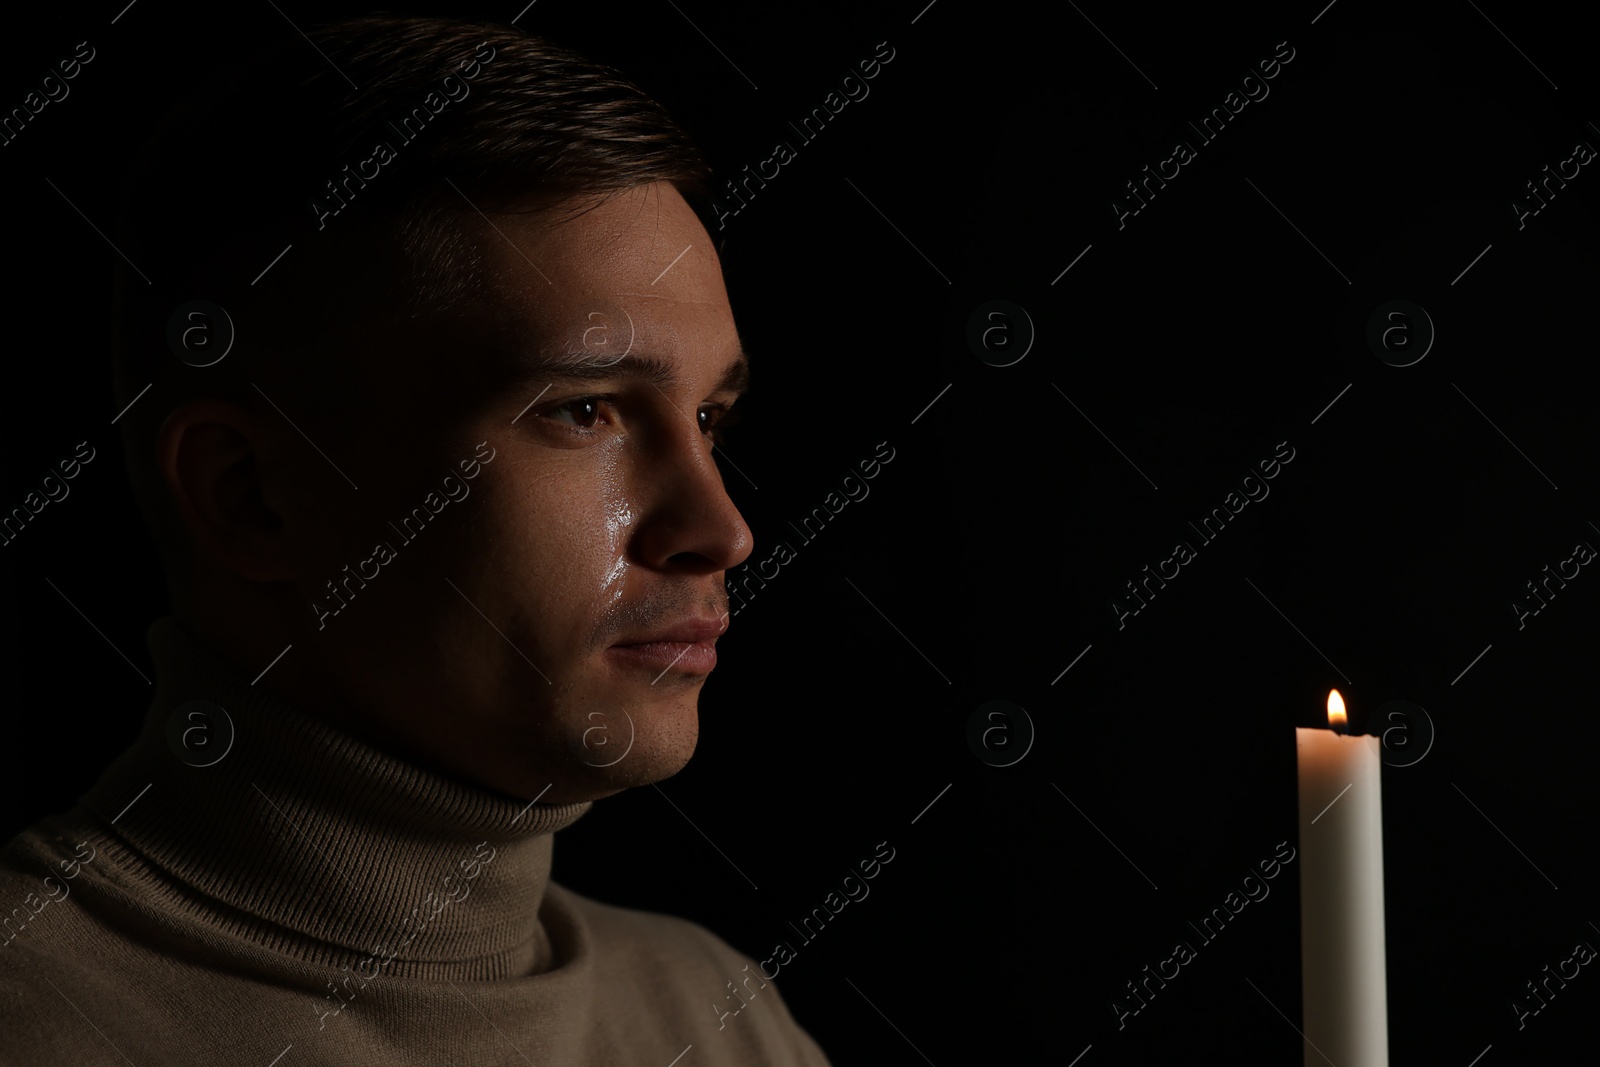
x,y
547,630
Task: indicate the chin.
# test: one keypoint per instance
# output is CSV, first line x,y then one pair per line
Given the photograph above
x,y
595,783
633,745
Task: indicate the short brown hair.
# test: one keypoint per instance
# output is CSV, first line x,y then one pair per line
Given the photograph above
x,y
279,153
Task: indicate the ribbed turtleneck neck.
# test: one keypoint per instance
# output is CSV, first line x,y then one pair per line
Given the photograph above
x,y
311,843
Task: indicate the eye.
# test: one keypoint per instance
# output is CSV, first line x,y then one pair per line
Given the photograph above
x,y
715,419
585,410
581,416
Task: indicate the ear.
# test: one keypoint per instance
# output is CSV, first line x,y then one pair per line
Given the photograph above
x,y
213,457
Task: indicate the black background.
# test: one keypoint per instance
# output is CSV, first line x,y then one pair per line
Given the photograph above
x,y
1212,326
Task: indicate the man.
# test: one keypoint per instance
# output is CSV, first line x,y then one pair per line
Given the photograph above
x,y
437,349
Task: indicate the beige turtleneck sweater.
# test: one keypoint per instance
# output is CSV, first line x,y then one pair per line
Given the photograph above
x,y
309,899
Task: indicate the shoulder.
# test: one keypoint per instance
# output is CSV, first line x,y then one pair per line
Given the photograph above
x,y
722,998
630,932
46,944
38,868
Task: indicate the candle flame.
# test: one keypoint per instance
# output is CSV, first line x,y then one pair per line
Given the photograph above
x,y
1337,720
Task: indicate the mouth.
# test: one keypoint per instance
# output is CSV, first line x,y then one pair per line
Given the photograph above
x,y
690,657
688,647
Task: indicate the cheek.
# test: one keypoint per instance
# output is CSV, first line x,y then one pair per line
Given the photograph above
x,y
566,534
568,543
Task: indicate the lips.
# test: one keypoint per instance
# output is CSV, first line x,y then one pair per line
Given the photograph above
x,y
690,631
688,647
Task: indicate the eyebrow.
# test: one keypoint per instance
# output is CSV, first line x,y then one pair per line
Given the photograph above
x,y
569,367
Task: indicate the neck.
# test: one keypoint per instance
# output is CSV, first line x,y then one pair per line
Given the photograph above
x,y
307,841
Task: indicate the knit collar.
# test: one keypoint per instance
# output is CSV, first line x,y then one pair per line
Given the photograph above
x,y
311,843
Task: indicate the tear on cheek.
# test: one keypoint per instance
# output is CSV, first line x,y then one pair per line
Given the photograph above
x,y
614,577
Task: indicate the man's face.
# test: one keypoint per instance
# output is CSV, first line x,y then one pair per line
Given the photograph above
x,y
490,642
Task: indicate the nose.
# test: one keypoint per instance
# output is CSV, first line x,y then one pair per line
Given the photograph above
x,y
688,524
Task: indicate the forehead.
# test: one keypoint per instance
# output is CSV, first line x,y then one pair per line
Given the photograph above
x,y
639,261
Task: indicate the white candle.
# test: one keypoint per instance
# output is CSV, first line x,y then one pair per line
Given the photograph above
x,y
1344,991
